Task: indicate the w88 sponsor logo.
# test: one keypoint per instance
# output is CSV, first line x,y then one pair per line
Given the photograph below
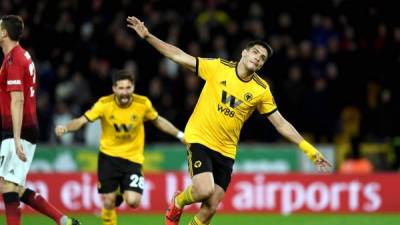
x,y
226,111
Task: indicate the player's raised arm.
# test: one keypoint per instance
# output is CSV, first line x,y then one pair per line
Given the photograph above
x,y
71,126
287,130
168,50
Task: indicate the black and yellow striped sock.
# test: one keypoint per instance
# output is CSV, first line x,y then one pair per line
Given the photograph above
x,y
196,221
109,217
184,198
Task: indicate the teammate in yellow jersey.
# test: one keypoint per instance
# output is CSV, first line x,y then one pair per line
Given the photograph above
x,y
122,115
231,93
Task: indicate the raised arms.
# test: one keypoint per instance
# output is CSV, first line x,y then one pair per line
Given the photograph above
x,y
168,50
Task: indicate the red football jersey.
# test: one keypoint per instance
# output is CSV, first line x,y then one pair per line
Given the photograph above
x,y
18,73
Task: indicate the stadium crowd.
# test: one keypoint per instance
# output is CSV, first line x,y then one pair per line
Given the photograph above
x,y
332,73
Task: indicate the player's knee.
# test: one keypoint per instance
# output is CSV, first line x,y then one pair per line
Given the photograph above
x,y
203,192
9,187
133,203
108,202
108,205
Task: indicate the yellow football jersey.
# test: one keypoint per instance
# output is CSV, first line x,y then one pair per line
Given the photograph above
x,y
122,129
225,103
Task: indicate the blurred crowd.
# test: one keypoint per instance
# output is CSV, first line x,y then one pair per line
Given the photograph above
x,y
332,74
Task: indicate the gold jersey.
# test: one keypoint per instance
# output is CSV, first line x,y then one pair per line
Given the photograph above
x,y
225,103
122,128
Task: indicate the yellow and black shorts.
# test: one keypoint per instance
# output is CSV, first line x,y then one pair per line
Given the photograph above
x,y
115,172
202,159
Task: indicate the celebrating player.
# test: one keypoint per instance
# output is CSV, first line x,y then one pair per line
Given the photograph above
x,y
231,93
122,115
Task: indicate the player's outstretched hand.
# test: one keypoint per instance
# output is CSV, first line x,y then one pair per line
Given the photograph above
x,y
138,26
60,130
315,156
323,165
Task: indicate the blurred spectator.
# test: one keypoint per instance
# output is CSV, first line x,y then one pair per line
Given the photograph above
x,y
45,113
61,116
92,133
294,90
355,162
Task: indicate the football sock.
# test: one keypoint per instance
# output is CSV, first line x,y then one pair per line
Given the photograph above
x,y
13,210
109,217
196,221
65,220
40,204
184,198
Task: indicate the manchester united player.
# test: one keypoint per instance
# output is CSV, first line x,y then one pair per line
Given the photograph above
x,y
19,126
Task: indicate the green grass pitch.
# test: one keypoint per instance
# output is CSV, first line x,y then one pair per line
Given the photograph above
x,y
232,219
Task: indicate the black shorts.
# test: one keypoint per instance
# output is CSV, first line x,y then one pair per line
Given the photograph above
x,y
202,159
114,172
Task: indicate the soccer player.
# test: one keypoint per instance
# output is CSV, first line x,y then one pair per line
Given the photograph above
x,y
19,126
122,116
231,93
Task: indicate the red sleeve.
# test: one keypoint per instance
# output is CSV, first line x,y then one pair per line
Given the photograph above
x,y
15,75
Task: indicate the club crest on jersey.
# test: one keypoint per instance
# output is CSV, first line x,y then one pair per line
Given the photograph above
x,y
248,96
133,117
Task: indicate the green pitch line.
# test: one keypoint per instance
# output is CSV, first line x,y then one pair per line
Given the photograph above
x,y
239,219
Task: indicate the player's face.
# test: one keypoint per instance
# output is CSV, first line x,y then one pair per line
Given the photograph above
x,y
123,90
254,57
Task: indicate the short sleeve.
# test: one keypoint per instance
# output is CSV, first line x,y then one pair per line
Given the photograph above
x,y
15,75
206,67
151,113
267,104
95,112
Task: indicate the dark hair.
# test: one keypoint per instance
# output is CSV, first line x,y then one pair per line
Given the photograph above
x,y
264,44
122,75
14,25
